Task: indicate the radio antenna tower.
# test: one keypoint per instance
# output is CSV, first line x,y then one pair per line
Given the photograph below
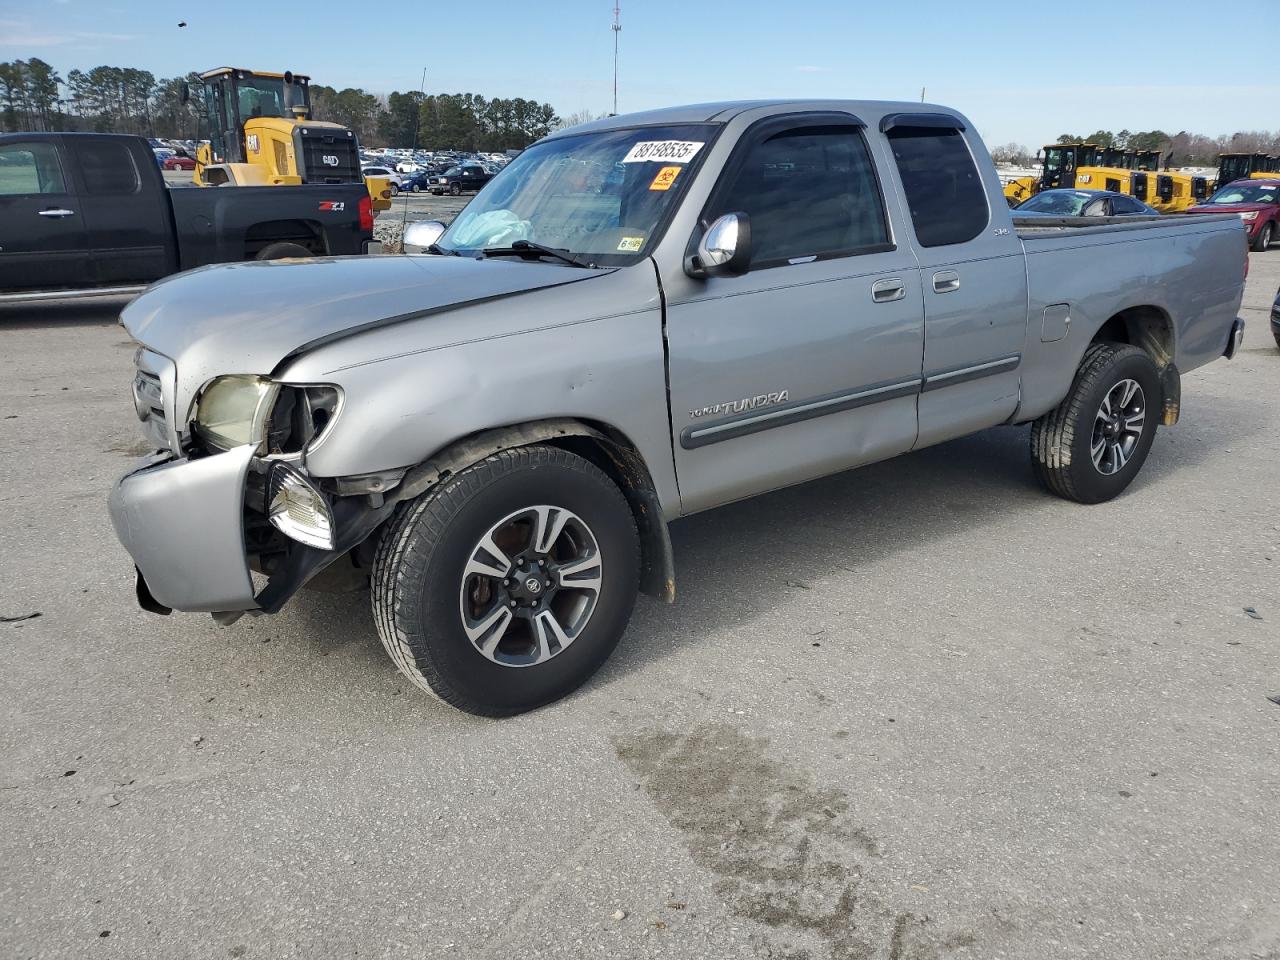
x,y
617,29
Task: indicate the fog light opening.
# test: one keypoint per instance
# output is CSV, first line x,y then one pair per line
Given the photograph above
x,y
297,509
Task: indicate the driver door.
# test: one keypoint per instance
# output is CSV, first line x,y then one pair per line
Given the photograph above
x,y
809,363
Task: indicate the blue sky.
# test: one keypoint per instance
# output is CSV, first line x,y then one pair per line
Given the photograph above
x,y
1022,71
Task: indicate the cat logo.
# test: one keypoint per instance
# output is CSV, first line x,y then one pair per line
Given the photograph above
x,y
251,142
329,160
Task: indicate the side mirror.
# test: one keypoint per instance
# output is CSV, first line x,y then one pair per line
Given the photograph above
x,y
420,235
724,250
185,93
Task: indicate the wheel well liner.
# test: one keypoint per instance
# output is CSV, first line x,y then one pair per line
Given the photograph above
x,y
1150,329
600,444
1147,327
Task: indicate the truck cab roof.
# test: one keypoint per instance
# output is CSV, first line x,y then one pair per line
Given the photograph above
x,y
869,111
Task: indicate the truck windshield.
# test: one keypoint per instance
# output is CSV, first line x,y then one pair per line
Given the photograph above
x,y
1247,193
604,197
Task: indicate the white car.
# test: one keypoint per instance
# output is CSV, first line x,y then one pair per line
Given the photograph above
x,y
373,170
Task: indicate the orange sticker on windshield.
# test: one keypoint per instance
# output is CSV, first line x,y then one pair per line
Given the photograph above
x,y
665,178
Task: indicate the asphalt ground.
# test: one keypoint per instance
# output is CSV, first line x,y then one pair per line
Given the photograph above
x,y
919,710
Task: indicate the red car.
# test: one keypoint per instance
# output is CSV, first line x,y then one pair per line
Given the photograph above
x,y
1256,201
178,163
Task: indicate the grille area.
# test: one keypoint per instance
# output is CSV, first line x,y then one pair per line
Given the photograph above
x,y
148,388
328,156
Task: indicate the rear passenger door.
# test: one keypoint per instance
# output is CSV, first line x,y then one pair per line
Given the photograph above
x,y
810,362
129,227
43,242
974,276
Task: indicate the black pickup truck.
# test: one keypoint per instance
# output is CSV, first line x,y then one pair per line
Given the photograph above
x,y
85,214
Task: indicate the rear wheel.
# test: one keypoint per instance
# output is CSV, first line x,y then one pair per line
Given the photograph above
x,y
283,251
510,584
1092,445
1263,239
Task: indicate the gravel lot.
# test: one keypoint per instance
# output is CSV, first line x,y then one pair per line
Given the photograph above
x,y
920,710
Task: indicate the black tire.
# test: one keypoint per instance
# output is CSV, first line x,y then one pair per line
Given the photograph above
x,y
1263,240
1275,332
283,251
415,188
418,578
395,191
1061,440
455,189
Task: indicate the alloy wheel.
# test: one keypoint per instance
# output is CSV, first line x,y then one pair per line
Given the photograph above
x,y
1117,427
530,586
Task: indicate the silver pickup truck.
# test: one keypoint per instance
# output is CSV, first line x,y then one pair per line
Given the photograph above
x,y
638,319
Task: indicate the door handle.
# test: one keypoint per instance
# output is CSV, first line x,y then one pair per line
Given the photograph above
x,y
887,291
945,281
57,212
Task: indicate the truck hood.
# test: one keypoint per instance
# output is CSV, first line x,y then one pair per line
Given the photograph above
x,y
249,317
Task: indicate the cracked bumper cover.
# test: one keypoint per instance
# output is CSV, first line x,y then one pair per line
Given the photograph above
x,y
182,522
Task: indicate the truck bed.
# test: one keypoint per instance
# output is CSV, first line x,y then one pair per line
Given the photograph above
x,y
1030,228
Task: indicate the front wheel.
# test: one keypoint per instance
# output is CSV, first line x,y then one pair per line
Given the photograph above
x,y
507,587
1092,445
395,191
1263,240
455,189
415,188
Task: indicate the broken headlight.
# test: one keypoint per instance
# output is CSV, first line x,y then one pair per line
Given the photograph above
x,y
231,411
277,418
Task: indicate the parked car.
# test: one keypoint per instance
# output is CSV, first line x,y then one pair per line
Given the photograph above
x,y
460,179
179,162
378,170
498,433
1256,202
1083,203
80,212
420,181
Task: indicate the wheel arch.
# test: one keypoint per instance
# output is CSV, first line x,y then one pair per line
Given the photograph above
x,y
602,445
1151,329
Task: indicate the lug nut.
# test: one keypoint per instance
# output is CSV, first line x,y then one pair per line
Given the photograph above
x,y
542,563
513,603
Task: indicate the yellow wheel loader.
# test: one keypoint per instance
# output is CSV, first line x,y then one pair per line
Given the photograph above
x,y
1245,166
1058,169
260,133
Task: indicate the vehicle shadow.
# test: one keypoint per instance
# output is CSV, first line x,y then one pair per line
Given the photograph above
x,y
60,313
791,538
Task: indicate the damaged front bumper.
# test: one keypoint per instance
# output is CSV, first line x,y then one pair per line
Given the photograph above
x,y
186,524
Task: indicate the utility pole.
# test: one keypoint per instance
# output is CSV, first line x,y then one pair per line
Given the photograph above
x,y
617,29
417,112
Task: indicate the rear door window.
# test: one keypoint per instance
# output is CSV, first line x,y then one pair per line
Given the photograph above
x,y
30,168
810,192
945,194
107,168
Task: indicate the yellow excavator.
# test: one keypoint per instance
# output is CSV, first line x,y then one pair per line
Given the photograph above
x,y
260,133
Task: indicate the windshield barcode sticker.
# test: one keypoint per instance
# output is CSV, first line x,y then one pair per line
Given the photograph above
x,y
662,151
